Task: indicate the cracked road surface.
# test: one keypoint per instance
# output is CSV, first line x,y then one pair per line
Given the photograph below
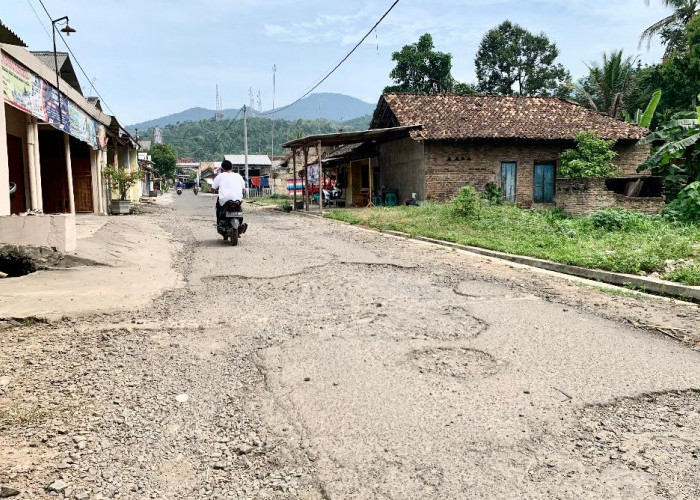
x,y
318,360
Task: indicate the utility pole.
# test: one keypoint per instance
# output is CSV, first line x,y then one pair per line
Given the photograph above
x,y
274,88
245,147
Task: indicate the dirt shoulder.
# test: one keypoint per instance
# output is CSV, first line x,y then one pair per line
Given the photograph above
x,y
121,263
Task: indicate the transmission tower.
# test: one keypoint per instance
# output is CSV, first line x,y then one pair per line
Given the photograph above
x,y
219,108
259,102
251,98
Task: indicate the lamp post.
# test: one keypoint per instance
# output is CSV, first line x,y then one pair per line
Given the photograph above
x,y
67,30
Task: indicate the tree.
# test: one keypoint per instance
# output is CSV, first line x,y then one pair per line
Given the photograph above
x,y
513,60
671,28
463,89
592,157
421,69
608,84
164,159
678,76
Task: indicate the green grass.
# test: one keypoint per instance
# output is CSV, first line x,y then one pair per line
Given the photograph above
x,y
689,275
642,246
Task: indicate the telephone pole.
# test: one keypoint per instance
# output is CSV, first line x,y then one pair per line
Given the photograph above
x,y
245,146
274,85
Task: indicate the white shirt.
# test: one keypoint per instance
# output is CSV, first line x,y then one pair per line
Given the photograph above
x,y
230,186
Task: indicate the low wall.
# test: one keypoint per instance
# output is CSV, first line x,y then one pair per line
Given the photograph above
x,y
55,231
580,197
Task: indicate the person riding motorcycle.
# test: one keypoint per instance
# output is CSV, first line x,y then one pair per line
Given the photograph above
x,y
230,187
178,185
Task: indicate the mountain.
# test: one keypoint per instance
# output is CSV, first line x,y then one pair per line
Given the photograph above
x,y
331,107
209,140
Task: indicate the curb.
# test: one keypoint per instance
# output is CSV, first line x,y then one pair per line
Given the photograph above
x,y
648,285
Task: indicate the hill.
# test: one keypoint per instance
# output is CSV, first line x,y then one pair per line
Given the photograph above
x,y
209,140
331,107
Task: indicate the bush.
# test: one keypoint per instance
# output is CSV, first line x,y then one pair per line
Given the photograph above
x,y
493,194
592,158
467,202
686,207
618,219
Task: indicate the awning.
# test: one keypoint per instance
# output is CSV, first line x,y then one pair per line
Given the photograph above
x,y
342,138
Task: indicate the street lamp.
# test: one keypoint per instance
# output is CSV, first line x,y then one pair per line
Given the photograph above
x,y
67,30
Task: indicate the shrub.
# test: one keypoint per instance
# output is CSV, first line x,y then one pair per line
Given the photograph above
x,y
493,194
616,219
467,202
592,157
686,207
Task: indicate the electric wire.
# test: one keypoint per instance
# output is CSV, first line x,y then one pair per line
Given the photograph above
x,y
342,61
75,59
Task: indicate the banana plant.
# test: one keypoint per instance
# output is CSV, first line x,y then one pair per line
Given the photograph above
x,y
677,157
644,118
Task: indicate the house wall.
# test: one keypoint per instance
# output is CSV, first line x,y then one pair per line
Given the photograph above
x,y
450,165
580,197
402,166
630,157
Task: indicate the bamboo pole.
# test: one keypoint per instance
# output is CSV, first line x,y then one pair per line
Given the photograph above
x,y
294,164
320,177
306,178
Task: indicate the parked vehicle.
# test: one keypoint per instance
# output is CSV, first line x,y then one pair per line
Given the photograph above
x,y
231,224
335,194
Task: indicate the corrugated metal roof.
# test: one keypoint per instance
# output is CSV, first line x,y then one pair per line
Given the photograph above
x,y
342,138
257,160
64,63
8,36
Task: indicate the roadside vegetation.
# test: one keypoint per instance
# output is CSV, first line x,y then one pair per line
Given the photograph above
x,y
609,239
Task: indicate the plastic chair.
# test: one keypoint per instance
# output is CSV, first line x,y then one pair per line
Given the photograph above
x,y
390,200
376,200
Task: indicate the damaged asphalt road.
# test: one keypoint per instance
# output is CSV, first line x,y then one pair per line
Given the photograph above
x,y
318,360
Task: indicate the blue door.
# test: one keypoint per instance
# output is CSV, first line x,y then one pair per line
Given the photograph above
x,y
508,170
544,182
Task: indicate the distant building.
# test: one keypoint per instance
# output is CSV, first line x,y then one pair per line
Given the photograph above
x,y
258,165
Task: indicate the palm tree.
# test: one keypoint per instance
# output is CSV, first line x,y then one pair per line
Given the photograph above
x,y
670,27
608,83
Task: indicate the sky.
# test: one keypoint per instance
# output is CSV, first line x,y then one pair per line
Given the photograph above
x,y
149,58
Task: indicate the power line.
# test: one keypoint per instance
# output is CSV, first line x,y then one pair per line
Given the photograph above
x,y
31,6
328,75
75,59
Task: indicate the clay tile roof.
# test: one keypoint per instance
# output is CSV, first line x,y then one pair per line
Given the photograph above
x,y
448,116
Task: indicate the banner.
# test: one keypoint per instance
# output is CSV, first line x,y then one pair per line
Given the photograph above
x,y
35,96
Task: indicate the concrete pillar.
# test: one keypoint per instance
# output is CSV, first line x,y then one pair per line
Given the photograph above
x,y
31,165
69,174
4,161
37,164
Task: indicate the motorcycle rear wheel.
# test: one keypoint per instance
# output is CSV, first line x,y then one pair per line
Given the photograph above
x,y
234,237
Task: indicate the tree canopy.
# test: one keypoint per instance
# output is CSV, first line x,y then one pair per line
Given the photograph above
x,y
164,159
592,157
423,70
609,84
671,29
511,60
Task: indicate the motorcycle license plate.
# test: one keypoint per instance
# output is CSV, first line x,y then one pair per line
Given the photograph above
x,y
234,214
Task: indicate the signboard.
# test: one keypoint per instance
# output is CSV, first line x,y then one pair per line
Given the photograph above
x,y
35,96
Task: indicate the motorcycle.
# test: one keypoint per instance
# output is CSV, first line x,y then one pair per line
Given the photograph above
x,y
335,194
179,191
195,190
231,225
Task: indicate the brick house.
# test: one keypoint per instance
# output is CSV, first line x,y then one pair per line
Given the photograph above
x,y
513,142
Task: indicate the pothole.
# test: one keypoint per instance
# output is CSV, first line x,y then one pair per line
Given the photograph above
x,y
20,261
458,362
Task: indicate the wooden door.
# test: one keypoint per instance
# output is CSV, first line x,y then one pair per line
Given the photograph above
x,y
14,155
508,172
82,175
544,182
54,181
